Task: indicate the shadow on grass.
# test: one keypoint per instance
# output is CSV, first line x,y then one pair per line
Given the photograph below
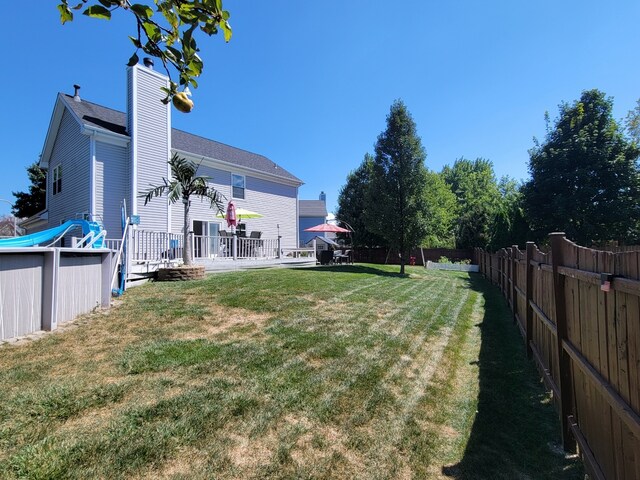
x,y
516,432
359,269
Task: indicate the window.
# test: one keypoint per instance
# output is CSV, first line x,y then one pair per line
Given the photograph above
x,y
57,179
241,230
237,186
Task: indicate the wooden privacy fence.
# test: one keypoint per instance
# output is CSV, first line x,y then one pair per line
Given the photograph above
x,y
579,312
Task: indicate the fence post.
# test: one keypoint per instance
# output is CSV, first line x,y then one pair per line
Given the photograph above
x,y
491,268
501,270
564,365
529,297
505,274
514,280
235,246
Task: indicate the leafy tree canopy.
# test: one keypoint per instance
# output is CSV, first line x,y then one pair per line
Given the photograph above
x,y
396,200
34,200
509,225
473,182
352,203
166,29
584,176
633,123
441,213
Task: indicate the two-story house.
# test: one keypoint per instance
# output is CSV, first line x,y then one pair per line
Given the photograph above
x,y
97,157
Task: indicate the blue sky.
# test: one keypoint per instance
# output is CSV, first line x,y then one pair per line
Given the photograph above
x,y
309,84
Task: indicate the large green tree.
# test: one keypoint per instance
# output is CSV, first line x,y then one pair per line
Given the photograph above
x,y
474,184
584,176
396,200
34,200
633,123
441,213
165,29
184,184
509,225
352,203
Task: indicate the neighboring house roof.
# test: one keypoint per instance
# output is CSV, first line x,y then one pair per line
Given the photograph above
x,y
326,240
35,220
97,116
312,208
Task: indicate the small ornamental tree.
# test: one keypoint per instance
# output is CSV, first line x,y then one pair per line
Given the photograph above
x,y
183,185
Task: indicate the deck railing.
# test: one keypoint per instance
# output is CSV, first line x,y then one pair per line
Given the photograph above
x,y
160,247
223,247
112,243
149,246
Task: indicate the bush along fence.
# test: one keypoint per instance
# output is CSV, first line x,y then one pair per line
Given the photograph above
x,y
383,255
579,312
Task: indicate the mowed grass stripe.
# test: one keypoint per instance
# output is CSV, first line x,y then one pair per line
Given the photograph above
x,y
317,373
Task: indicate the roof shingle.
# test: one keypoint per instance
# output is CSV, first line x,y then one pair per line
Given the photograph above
x,y
97,116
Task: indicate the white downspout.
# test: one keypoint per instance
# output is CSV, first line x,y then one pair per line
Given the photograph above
x,y
92,177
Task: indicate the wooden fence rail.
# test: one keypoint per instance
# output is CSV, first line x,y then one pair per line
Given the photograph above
x,y
578,310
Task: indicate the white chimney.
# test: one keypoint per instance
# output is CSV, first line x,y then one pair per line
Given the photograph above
x,y
149,125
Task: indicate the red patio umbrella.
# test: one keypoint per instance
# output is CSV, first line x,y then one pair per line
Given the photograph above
x,y
327,227
232,221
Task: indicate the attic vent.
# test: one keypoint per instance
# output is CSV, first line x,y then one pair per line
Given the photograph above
x,y
76,93
148,62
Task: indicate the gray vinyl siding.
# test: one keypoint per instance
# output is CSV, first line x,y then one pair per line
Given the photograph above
x,y
200,208
275,201
71,149
150,134
112,186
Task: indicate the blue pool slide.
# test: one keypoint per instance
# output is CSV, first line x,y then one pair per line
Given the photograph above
x,y
53,233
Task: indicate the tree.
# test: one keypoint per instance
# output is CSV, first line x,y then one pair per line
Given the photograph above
x,y
633,123
475,187
396,200
584,176
509,225
31,202
352,203
441,213
183,185
8,226
166,33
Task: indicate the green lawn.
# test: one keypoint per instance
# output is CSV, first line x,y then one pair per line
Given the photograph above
x,y
345,372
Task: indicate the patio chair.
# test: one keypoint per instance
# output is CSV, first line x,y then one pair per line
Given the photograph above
x,y
340,257
326,257
256,243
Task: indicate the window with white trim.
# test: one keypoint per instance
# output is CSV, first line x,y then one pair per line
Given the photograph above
x,y
57,179
237,186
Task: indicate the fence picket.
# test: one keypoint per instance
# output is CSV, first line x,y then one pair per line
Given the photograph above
x,y
585,341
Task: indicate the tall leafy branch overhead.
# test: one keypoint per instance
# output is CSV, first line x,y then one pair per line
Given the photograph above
x,y
168,33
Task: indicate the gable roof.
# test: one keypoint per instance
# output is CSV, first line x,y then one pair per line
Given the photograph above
x,y
98,117
312,208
